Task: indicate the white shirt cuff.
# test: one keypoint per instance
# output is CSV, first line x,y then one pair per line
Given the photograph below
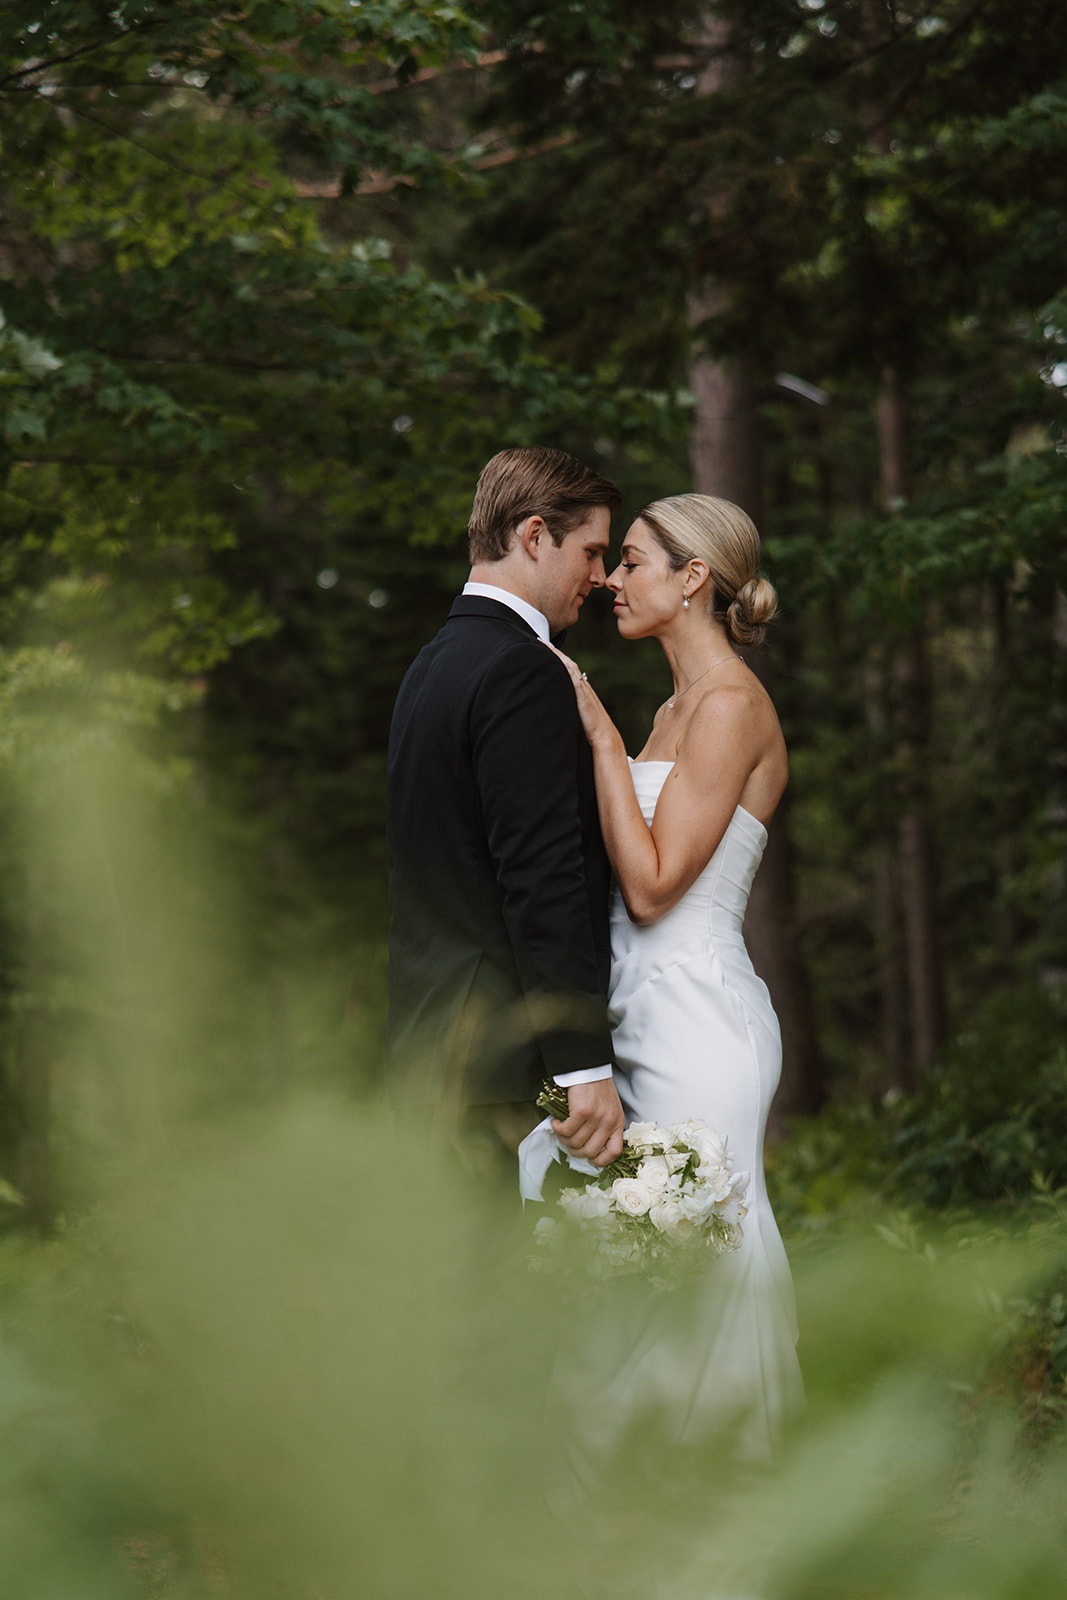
x,y
567,1080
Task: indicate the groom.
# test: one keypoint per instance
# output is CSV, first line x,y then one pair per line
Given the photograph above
x,y
499,883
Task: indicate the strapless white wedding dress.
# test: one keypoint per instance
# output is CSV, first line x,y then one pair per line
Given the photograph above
x,y
696,1036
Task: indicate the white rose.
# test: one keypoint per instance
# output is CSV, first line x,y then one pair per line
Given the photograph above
x,y
666,1215
697,1206
595,1203
643,1135
654,1172
585,1204
686,1131
545,1229
710,1148
716,1169
632,1197
718,1183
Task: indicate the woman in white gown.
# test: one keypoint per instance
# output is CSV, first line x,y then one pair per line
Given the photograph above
x,y
694,1030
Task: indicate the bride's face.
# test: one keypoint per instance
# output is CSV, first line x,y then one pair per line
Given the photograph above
x,y
647,593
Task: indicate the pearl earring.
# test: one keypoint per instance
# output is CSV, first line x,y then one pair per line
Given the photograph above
x,y
685,603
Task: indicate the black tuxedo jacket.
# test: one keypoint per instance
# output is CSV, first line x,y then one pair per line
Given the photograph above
x,y
498,937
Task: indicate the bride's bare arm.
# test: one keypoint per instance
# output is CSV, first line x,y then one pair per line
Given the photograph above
x,y
724,742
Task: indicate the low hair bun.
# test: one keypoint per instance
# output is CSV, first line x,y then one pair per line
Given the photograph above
x,y
748,614
701,527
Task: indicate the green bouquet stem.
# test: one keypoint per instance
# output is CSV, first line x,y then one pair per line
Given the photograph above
x,y
553,1099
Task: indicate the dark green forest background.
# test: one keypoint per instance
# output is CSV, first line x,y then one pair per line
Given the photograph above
x,y
277,278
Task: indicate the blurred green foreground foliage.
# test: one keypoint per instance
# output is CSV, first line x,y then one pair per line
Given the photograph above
x,y
274,1351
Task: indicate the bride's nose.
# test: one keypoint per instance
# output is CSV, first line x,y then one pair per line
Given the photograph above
x,y
614,580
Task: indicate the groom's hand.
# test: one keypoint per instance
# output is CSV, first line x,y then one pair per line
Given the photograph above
x,y
594,1127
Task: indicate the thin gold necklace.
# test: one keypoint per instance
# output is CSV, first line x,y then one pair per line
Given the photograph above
x,y
721,662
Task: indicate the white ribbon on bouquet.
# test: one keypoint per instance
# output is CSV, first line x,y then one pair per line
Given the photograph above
x,y
536,1154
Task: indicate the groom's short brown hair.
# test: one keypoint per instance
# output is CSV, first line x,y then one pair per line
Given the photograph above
x,y
533,482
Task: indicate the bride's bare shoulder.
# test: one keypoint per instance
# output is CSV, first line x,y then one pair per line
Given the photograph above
x,y
724,703
739,713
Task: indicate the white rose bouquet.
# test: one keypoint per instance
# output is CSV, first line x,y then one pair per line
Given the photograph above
x,y
671,1197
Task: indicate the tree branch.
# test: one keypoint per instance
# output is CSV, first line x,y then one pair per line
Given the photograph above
x,y
488,58
43,65
383,183
935,50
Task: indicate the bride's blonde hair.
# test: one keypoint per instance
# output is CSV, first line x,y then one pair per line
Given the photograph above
x,y
701,527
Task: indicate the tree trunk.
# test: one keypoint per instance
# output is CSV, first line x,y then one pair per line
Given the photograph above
x,y
915,838
1008,928
917,851
918,860
892,987
725,447
726,456
727,460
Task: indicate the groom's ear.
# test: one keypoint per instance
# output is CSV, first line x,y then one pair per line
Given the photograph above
x,y
531,533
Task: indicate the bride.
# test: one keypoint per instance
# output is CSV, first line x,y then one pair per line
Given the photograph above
x,y
695,1035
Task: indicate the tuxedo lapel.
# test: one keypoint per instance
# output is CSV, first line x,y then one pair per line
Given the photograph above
x,y
472,605
476,605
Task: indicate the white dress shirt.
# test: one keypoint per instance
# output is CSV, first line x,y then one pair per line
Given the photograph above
x,y
523,608
539,623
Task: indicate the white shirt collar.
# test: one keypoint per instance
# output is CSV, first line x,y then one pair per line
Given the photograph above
x,y
522,608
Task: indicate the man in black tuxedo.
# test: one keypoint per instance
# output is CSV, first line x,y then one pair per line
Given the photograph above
x,y
499,948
